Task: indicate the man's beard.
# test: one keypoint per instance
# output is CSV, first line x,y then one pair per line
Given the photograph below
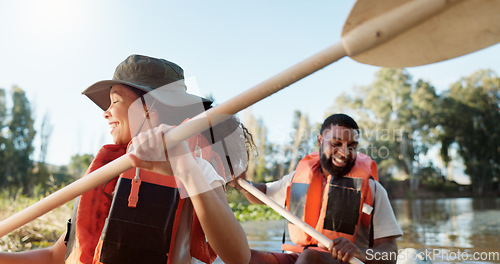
x,y
335,171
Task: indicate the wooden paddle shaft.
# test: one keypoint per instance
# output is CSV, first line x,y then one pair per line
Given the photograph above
x,y
291,217
68,193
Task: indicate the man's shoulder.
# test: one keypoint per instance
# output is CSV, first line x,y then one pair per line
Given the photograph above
x,y
284,181
377,188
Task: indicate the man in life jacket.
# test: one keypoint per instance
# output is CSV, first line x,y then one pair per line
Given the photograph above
x,y
337,192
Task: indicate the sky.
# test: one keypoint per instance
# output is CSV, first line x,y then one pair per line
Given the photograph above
x,y
54,49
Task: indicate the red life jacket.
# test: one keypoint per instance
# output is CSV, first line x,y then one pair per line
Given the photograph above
x,y
335,209
106,231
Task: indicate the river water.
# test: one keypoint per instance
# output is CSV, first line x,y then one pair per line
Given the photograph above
x,y
461,230
458,230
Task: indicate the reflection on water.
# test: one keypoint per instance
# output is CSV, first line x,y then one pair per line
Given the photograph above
x,y
447,230
266,235
263,235
450,226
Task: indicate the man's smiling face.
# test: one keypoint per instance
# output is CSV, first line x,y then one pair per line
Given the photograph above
x,y
338,148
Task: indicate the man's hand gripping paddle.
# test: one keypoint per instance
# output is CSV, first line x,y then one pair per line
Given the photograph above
x,y
291,217
389,33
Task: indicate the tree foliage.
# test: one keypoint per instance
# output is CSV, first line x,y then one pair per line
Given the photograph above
x,y
79,164
401,120
302,141
273,160
18,143
257,166
469,116
3,137
41,173
20,171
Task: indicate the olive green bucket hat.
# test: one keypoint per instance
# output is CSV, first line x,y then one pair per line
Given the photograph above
x,y
162,79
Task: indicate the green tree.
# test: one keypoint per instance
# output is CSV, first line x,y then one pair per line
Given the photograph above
x,y
302,142
79,164
469,117
257,165
20,144
3,139
278,162
42,173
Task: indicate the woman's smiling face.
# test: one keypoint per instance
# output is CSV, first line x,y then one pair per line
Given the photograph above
x,y
122,98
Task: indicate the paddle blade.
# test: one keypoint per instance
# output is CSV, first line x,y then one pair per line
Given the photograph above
x,y
450,29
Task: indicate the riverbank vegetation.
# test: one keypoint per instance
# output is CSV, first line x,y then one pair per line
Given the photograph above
x,y
39,233
244,211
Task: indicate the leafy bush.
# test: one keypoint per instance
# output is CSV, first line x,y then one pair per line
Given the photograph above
x,y
253,212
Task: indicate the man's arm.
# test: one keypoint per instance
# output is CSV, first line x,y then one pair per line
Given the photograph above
x,y
384,250
275,190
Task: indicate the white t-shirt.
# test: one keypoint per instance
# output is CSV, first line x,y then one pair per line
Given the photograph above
x,y
384,221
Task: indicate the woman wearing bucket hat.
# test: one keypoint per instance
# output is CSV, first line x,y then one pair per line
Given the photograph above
x,y
145,215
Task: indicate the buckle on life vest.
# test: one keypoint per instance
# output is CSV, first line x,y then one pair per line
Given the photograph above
x,y
133,198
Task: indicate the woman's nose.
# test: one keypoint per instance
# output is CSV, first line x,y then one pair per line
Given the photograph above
x,y
106,114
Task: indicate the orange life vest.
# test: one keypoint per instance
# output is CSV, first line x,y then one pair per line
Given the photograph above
x,y
334,209
99,228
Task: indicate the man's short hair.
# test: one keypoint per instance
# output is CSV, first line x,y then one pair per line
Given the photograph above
x,y
340,120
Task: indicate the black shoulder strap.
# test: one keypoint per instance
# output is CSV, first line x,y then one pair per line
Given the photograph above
x,y
371,236
285,226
